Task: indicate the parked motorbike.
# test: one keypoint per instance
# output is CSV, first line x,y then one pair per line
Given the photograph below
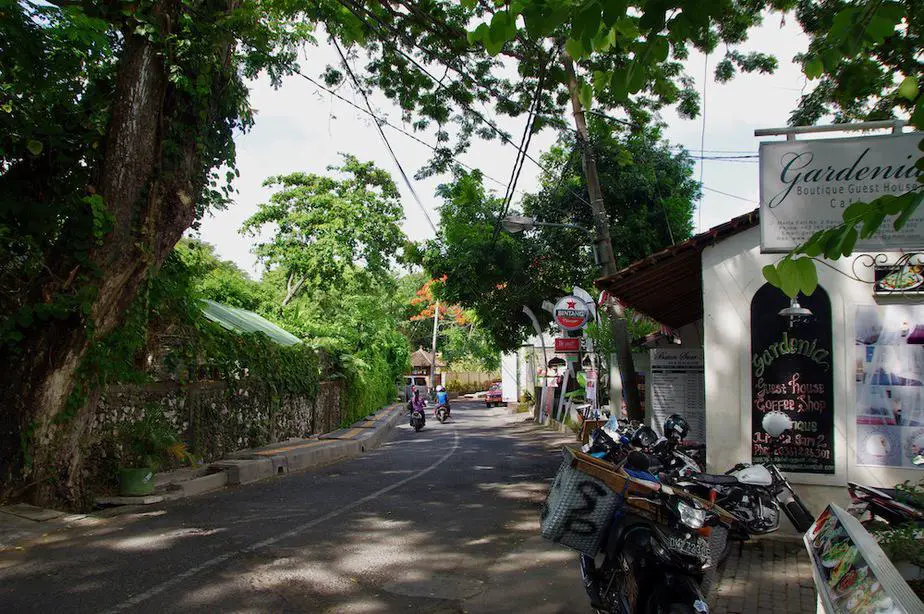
x,y
888,505
442,412
650,566
754,494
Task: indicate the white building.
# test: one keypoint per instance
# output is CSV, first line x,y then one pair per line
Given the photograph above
x,y
851,379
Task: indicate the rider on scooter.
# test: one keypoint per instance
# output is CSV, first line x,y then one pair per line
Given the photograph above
x,y
416,401
442,398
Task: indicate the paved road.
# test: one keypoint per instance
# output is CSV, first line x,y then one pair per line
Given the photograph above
x,y
444,520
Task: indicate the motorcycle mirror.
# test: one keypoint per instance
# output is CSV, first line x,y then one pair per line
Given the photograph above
x,y
918,460
776,423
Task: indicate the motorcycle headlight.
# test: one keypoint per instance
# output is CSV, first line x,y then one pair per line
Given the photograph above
x,y
691,516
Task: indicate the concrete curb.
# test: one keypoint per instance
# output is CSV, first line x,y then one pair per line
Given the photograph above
x,y
247,467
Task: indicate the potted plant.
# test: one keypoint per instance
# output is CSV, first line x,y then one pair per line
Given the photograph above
x,y
144,446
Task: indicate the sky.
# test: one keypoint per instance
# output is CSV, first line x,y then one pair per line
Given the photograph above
x,y
300,128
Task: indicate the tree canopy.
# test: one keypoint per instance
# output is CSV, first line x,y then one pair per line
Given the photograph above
x,y
322,225
647,188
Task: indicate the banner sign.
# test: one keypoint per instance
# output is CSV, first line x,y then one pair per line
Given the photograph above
x,y
792,371
590,387
567,344
571,313
806,185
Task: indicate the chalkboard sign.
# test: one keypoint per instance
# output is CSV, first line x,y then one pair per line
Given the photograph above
x,y
792,371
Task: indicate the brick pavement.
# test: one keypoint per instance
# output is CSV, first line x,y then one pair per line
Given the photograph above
x,y
766,576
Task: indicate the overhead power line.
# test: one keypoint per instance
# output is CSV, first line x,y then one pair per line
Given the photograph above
x,y
750,200
394,156
381,120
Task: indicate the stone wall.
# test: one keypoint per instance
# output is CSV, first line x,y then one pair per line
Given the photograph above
x,y
212,417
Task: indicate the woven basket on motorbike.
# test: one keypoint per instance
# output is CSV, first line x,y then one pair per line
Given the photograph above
x,y
578,508
585,495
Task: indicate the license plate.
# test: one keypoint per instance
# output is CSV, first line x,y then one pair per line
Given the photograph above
x,y
693,546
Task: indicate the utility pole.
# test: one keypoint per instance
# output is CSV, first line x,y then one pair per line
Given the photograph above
x,y
436,328
604,246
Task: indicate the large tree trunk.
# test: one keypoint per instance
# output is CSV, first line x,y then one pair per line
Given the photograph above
x,y
151,198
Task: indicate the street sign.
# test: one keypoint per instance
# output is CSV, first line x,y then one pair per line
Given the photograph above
x,y
571,313
567,344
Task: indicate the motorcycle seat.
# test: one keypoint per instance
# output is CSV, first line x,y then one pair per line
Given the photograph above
x,y
713,479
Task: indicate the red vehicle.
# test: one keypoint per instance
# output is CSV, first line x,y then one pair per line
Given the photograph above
x,y
495,396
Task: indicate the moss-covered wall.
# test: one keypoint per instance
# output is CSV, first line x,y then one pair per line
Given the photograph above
x,y
213,418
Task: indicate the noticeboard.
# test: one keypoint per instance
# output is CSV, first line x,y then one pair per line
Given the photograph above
x,y
792,371
678,387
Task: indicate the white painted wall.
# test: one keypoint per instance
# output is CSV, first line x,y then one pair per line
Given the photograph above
x,y
731,277
510,376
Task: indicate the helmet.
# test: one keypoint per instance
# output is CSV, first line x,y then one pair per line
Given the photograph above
x,y
644,437
676,426
440,389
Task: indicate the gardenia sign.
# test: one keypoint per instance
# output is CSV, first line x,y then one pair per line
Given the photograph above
x,y
570,313
806,185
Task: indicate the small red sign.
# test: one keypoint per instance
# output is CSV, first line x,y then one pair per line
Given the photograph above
x,y
567,344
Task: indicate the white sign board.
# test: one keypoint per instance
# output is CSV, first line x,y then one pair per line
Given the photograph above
x,y
806,185
678,387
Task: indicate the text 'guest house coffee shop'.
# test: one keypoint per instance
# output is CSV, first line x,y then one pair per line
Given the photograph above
x,y
846,363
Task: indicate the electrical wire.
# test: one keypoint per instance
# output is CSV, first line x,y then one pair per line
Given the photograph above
x,y
750,200
394,156
385,122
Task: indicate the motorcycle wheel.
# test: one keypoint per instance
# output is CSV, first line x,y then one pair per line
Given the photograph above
x,y
417,427
798,515
606,578
719,549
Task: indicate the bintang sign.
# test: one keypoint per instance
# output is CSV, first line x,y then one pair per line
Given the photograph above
x,y
806,185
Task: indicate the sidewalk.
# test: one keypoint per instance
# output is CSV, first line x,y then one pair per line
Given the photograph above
x,y
770,575
21,524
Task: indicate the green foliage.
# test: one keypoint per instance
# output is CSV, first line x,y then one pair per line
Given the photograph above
x,y
648,191
857,49
796,272
221,280
356,327
145,442
633,50
903,543
324,225
490,273
649,201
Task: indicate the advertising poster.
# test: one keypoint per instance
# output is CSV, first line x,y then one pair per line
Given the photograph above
x,y
792,371
890,384
678,387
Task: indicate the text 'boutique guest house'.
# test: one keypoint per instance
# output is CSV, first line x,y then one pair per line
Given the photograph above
x,y
846,363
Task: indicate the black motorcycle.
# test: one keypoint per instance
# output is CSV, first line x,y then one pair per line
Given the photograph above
x,y
665,566
418,419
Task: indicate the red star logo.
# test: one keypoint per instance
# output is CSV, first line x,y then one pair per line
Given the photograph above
x,y
570,304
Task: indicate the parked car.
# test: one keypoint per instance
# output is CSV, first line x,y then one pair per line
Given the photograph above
x,y
495,396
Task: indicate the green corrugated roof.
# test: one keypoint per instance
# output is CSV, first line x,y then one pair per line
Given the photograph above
x,y
243,321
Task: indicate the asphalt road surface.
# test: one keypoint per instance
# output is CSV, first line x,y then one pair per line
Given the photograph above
x,y
445,520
